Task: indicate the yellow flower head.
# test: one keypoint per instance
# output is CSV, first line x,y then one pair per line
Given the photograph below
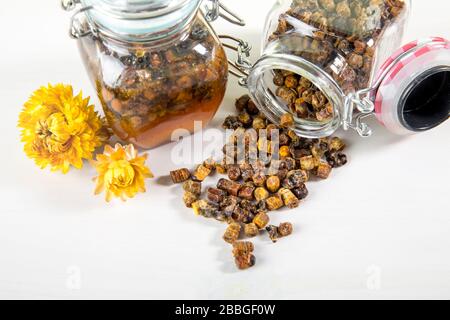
x,y
122,172
59,129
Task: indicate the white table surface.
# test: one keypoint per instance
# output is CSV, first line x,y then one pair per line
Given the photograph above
x,y
379,228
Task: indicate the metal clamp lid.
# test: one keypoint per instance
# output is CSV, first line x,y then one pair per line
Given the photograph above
x,y
69,5
242,65
214,11
75,30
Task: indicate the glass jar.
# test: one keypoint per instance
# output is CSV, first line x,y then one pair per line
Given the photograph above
x,y
332,63
157,65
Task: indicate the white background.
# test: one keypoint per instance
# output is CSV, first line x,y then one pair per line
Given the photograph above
x,y
379,228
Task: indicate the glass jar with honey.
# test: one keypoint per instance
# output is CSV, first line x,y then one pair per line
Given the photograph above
x,y
157,65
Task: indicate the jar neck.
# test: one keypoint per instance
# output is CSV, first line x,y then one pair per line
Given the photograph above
x,y
261,88
150,23
117,42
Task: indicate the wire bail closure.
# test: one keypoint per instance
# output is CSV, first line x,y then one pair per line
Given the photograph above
x,y
242,65
214,12
363,102
69,5
76,30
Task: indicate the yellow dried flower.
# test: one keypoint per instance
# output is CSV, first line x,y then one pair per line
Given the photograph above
x,y
122,172
59,129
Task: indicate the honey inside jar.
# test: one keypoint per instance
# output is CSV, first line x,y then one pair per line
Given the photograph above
x,y
149,90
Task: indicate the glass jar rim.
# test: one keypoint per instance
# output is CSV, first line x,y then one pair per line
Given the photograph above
x,y
424,62
139,9
273,109
140,20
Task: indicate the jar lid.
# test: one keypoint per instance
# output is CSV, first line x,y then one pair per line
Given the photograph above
x,y
414,94
134,19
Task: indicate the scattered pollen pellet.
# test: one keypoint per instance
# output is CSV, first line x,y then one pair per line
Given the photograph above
x,y
258,185
246,192
193,187
323,170
232,233
201,173
289,198
243,254
204,208
273,184
307,163
261,220
189,198
274,203
273,233
285,151
234,172
243,248
216,195
181,175
336,144
251,230
261,194
245,262
285,229
229,186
